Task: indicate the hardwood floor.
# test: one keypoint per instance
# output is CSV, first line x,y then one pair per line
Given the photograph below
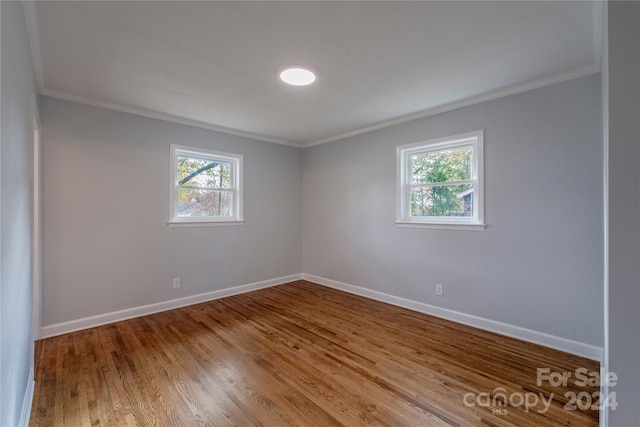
x,y
298,354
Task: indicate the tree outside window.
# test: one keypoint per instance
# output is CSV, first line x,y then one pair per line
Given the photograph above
x,y
206,186
440,183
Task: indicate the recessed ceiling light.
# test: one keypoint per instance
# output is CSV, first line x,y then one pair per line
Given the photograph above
x,y
297,76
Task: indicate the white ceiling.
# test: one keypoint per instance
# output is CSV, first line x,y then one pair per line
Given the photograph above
x,y
216,64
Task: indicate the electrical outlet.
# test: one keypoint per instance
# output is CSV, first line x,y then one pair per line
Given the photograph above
x,y
176,283
439,290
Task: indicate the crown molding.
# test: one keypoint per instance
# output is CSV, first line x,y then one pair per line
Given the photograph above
x,y
34,41
165,117
33,31
467,102
487,96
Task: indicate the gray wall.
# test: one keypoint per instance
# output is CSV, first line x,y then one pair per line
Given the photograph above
x,y
16,338
538,265
624,209
106,244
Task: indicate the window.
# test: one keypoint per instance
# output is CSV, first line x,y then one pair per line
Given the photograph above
x,y
440,183
206,187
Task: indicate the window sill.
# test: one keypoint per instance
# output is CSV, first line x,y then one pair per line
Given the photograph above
x,y
441,225
203,223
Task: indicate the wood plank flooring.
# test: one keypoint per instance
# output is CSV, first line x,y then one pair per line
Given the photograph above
x,y
298,354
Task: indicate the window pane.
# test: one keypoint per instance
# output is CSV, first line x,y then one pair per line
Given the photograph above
x,y
204,173
441,166
442,200
198,203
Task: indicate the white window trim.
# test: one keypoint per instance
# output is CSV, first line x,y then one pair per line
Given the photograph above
x,y
403,217
234,159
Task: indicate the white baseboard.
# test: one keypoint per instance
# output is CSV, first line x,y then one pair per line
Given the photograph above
x,y
558,343
129,313
27,400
